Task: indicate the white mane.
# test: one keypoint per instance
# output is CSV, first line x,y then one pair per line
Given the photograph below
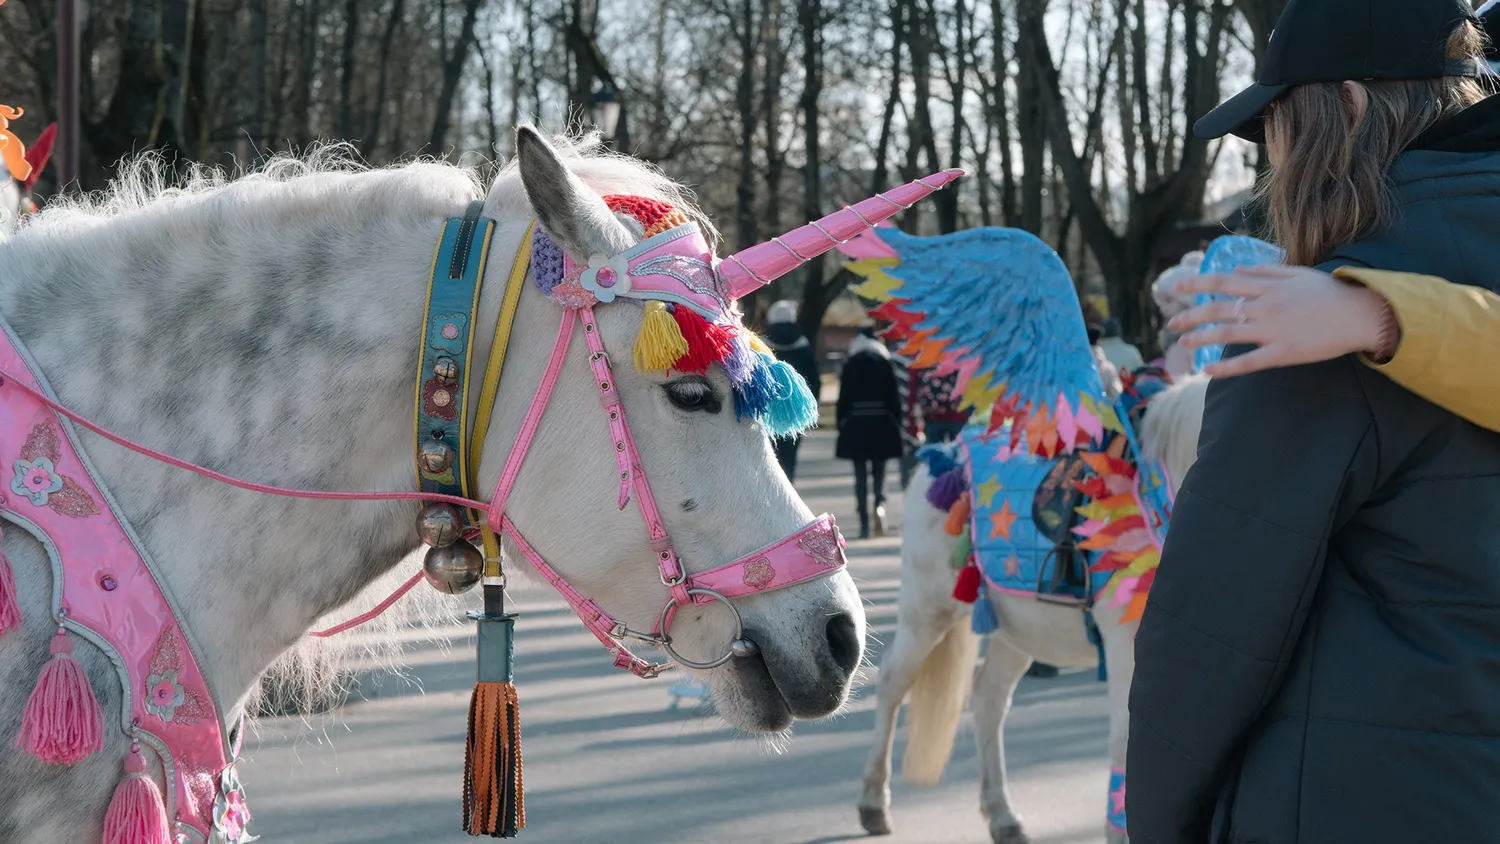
x,y
315,672
1175,418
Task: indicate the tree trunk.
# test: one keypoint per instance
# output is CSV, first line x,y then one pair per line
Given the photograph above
x,y
775,69
1000,109
1030,117
816,293
392,21
346,68
881,179
746,33
452,74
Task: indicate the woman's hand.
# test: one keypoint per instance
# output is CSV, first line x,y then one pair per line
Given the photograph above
x,y
1296,315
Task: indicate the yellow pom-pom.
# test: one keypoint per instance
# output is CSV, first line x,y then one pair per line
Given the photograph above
x,y
660,343
758,344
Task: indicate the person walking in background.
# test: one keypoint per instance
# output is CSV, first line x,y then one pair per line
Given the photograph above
x,y
935,403
788,342
869,423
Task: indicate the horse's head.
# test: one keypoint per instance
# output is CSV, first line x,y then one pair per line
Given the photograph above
x,y
700,394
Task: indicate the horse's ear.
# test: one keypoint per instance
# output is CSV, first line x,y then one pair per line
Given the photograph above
x,y
575,217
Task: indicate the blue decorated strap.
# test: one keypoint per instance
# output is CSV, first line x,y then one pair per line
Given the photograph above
x,y
448,346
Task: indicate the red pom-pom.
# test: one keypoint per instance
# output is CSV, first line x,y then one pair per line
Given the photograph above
x,y
708,343
966,588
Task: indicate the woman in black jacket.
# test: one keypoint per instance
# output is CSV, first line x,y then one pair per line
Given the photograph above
x,y
1319,661
868,415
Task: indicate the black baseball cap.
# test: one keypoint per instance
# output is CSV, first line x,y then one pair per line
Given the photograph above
x,y
1335,40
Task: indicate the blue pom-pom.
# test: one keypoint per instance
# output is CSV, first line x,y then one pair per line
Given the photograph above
x,y
794,409
946,489
983,621
754,396
939,457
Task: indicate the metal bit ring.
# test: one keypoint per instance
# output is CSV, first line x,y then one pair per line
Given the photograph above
x,y
664,624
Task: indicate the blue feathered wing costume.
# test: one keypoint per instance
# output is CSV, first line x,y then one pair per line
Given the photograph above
x,y
999,307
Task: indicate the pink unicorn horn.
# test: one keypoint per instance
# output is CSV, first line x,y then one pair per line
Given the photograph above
x,y
761,264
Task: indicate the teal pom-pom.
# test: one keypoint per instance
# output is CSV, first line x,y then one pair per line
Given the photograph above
x,y
794,409
983,621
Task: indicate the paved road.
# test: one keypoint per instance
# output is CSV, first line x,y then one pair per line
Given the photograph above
x,y
608,763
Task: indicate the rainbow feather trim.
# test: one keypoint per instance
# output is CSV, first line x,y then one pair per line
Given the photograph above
x,y
1116,525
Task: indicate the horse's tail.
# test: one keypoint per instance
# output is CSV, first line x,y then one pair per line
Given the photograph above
x,y
938,694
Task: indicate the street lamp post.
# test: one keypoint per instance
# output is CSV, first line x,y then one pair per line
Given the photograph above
x,y
604,110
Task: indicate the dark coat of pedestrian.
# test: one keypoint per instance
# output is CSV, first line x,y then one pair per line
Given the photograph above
x,y
869,422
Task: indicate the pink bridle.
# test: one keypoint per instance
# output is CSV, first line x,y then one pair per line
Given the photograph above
x,y
816,550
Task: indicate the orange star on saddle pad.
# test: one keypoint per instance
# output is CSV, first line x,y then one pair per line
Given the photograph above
x,y
1000,522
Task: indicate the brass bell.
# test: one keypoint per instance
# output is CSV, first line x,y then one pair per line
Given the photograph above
x,y
445,370
453,569
439,525
435,456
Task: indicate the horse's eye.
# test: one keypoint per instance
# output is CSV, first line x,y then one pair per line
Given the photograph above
x,y
694,394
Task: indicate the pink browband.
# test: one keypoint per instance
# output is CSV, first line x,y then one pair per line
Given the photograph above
x,y
816,550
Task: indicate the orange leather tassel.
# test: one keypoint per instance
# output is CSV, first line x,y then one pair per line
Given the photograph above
x,y
494,801
494,804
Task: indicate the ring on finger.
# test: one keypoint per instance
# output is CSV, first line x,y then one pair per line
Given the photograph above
x,y
1239,311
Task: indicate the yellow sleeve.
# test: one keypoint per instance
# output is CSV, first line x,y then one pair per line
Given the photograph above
x,y
1450,336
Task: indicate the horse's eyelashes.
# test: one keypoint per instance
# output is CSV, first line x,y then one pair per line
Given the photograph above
x,y
694,394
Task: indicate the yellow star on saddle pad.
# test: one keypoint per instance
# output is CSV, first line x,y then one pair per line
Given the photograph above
x,y
1000,522
988,489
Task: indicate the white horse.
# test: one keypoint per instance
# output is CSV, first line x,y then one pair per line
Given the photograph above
x,y
934,650
268,327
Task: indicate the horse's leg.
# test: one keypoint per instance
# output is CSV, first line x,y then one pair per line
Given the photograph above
x,y
1003,668
1119,660
898,668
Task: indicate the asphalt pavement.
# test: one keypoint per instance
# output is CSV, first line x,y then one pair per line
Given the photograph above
x,y
608,761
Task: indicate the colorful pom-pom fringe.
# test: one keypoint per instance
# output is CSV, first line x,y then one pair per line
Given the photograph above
x,y
944,492
794,409
966,587
958,517
939,459
707,343
660,343
961,551
754,397
983,621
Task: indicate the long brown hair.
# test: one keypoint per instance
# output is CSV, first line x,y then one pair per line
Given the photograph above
x,y
1332,186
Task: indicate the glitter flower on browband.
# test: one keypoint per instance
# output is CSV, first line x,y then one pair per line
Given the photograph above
x,y
687,295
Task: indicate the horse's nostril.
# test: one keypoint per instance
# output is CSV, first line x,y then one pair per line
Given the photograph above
x,y
843,642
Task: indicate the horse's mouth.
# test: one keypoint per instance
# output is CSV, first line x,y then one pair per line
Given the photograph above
x,y
770,693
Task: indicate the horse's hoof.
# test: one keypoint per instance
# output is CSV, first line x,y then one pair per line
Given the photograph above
x,y
875,821
1009,834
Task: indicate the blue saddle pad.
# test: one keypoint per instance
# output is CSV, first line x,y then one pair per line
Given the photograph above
x,y
1008,498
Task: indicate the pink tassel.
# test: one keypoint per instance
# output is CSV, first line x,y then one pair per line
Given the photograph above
x,y
10,605
62,723
137,814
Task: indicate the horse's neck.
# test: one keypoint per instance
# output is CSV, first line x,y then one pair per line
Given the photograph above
x,y
290,360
